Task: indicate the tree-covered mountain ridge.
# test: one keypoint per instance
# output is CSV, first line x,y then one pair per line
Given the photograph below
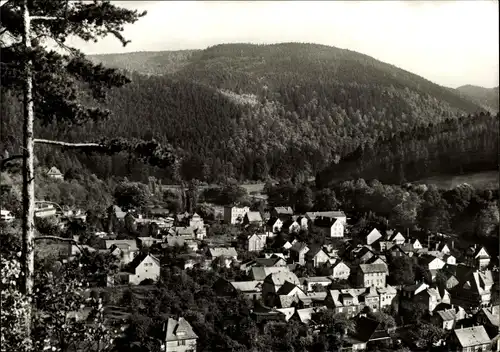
x,y
252,112
485,97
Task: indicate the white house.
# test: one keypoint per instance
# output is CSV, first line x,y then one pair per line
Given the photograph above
x,y
340,271
235,215
55,173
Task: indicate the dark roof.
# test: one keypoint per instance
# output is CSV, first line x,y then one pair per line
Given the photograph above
x,y
365,328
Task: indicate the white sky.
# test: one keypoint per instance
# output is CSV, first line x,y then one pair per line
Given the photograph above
x,y
451,43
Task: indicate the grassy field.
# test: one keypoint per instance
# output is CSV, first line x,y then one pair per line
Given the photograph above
x,y
480,180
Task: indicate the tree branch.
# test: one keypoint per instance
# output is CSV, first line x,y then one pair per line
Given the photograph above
x,y
10,158
67,144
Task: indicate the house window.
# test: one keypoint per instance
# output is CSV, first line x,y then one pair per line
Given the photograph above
x,y
181,343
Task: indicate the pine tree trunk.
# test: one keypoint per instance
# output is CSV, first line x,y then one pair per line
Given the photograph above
x,y
28,257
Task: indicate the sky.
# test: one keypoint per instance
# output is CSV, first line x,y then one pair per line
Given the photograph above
x,y
451,43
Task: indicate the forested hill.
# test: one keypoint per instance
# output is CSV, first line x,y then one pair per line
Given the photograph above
x,y
257,111
455,146
486,97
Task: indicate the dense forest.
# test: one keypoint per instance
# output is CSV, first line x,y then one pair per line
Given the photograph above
x,y
455,146
254,112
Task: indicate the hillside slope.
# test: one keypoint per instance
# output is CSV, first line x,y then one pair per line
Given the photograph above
x,y
486,97
257,111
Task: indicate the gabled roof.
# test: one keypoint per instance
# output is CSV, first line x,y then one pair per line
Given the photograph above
x,y
223,252
141,257
447,314
312,252
268,261
473,336
253,216
299,246
373,268
247,286
492,314
366,329
288,312
279,278
325,214
305,314
260,273
179,330
273,221
54,171
287,288
396,237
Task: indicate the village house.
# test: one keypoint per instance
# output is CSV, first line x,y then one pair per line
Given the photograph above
x,y
55,174
253,218
333,228
367,331
370,298
409,291
474,289
282,213
396,251
298,252
469,339
443,247
477,257
361,254
251,290
291,226
489,317
144,267
316,257
373,237
302,221
395,237
275,225
305,315
387,295
227,254
125,250
343,301
196,222
446,318
179,336
372,275
340,271
430,262
416,244
273,283
431,297
256,243
235,215
6,216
